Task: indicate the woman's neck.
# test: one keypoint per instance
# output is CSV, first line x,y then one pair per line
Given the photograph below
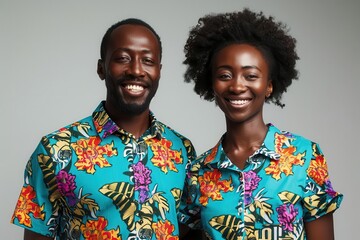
x,y
246,134
242,140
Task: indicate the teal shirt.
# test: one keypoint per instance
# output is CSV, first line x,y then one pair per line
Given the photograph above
x,y
283,184
93,180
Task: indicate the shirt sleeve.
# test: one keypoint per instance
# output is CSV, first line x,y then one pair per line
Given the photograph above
x,y
320,197
34,210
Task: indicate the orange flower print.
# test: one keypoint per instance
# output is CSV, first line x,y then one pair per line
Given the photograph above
x,y
95,230
101,119
318,170
287,157
209,158
164,157
211,185
25,206
89,154
163,230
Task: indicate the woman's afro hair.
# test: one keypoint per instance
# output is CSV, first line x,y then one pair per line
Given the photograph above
x,y
215,31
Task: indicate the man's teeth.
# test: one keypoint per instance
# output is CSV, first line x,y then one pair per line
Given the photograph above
x,y
134,88
238,102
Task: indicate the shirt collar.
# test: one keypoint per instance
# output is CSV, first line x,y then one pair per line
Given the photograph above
x,y
105,126
268,146
217,155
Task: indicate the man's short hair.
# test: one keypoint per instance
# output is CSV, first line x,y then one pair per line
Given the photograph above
x,y
133,21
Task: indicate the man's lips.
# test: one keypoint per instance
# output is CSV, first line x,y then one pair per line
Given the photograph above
x,y
134,88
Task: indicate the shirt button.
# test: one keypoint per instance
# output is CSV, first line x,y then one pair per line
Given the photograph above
x,y
240,211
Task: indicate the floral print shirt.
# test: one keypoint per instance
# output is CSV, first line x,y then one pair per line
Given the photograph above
x,y
93,180
283,184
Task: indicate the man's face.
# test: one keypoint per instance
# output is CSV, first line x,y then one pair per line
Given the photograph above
x,y
131,69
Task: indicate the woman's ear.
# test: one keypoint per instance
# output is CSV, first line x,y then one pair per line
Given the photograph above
x,y
269,89
101,69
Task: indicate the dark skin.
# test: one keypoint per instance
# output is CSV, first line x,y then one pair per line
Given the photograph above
x,y
131,70
187,233
239,150
241,83
321,228
30,235
132,60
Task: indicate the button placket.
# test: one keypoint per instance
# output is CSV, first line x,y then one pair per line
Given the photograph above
x,y
241,192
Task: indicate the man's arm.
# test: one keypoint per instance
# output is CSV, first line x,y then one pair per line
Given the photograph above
x,y
30,235
321,228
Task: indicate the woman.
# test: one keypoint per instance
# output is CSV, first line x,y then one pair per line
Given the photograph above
x,y
257,182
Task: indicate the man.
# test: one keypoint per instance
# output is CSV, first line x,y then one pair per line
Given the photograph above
x,y
119,173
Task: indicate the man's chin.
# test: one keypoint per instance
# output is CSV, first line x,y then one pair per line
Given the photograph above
x,y
135,109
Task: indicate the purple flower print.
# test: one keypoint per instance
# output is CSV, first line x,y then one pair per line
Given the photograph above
x,y
329,189
66,185
109,128
251,182
286,216
142,180
143,195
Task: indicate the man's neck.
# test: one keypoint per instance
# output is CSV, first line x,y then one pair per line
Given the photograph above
x,y
135,124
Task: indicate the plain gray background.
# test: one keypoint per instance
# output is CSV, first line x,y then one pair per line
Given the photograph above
x,y
49,51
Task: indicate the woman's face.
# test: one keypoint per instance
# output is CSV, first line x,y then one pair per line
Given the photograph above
x,y
240,80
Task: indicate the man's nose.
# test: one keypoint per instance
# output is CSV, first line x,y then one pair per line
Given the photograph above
x,y
136,68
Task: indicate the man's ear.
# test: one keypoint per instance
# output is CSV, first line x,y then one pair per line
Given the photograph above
x,y
101,69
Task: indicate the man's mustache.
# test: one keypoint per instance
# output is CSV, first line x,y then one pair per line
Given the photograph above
x,y
129,77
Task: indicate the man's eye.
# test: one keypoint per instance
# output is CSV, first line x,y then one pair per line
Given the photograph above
x,y
148,61
122,59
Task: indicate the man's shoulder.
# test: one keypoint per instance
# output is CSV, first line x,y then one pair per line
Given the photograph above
x,y
174,136
83,126
169,129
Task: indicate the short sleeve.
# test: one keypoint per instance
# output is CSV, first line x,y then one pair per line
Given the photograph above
x,y
320,197
33,208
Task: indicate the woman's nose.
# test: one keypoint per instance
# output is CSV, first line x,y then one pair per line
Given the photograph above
x,y
237,85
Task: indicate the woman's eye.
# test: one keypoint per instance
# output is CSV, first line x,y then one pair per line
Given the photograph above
x,y
224,76
251,76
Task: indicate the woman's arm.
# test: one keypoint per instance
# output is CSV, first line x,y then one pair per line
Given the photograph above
x,y
30,235
321,228
187,233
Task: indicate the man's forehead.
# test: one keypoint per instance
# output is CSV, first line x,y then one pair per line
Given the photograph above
x,y
133,29
133,32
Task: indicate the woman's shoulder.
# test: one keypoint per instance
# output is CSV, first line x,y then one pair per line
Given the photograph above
x,y
288,138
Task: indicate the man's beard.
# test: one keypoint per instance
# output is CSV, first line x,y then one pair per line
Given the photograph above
x,y
128,106
134,109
